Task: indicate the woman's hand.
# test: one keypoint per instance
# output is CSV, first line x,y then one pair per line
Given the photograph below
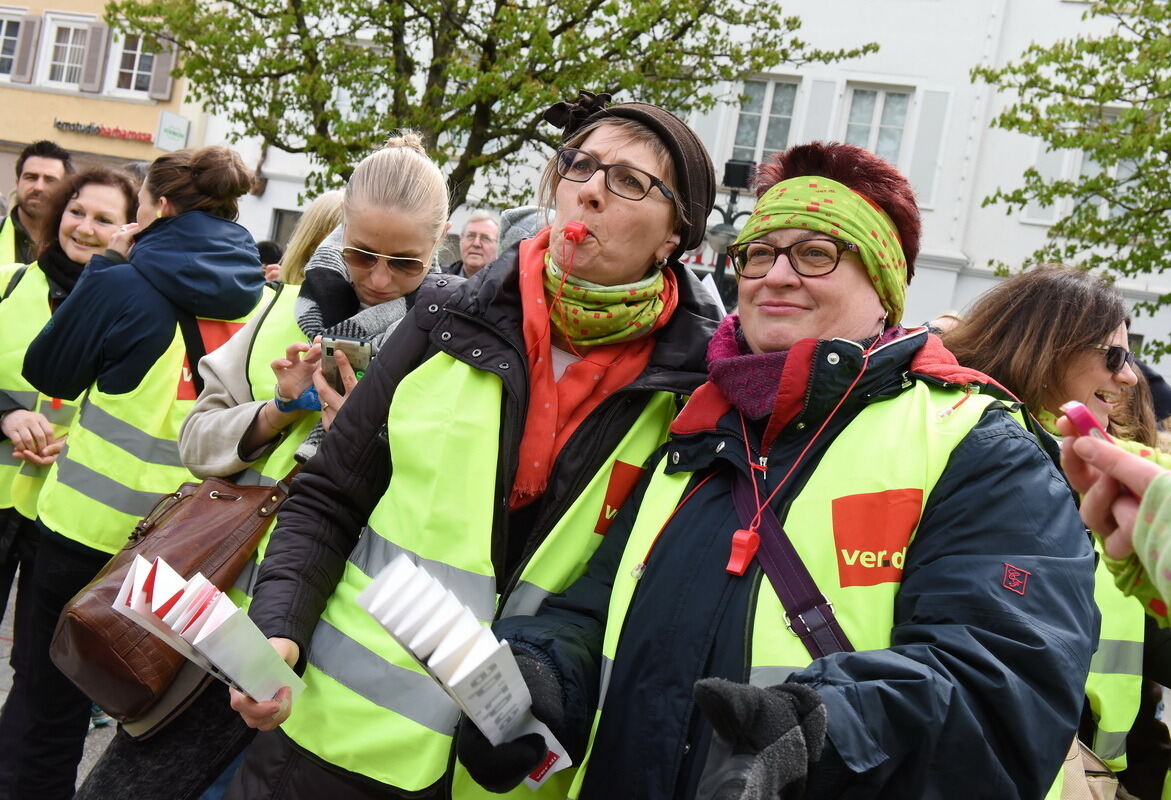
x,y
27,430
1112,483
331,401
123,239
266,715
44,458
272,272
294,372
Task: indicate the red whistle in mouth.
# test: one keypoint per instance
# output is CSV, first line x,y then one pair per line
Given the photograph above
x,y
576,232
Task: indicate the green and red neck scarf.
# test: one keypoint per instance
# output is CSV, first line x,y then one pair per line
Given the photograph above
x,y
614,322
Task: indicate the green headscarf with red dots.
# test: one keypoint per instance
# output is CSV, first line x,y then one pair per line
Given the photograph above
x,y
829,207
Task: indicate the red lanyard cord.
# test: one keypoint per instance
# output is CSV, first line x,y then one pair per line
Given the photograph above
x,y
760,507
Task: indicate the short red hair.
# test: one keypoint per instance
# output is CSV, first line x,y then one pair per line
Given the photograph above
x,y
875,179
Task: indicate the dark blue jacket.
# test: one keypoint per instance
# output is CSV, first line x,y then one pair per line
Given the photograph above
x,y
121,316
978,694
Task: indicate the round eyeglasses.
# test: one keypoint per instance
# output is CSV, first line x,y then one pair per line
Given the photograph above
x,y
1117,357
357,258
621,179
810,258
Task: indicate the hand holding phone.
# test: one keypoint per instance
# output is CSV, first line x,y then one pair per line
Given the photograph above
x,y
356,351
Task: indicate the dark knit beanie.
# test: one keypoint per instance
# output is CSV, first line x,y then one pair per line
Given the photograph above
x,y
695,176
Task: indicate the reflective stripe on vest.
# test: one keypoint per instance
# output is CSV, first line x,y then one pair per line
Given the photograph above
x,y
361,700
1115,683
122,454
884,505
22,315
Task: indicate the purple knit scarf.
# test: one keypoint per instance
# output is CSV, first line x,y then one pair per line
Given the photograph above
x,y
750,381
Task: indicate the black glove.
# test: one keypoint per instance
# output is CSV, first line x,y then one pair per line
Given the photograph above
x,y
776,735
501,769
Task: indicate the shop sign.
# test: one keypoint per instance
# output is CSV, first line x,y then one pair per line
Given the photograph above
x,y
94,129
173,130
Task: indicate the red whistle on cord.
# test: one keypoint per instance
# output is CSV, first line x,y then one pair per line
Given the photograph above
x,y
576,232
744,547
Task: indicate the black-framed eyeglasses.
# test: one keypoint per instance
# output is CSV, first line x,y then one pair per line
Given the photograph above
x,y
810,258
1117,357
357,258
621,179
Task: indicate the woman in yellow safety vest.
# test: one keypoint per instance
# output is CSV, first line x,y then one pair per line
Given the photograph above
x,y
850,573
1052,335
241,428
86,211
125,344
494,439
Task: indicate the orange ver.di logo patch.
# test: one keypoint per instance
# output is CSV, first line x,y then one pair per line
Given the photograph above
x,y
871,532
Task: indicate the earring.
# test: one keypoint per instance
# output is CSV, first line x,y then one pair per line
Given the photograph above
x,y
660,263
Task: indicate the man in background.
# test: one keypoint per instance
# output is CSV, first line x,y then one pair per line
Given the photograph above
x,y
39,169
477,245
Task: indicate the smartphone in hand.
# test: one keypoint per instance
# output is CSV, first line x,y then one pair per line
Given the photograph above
x,y
1085,422
357,352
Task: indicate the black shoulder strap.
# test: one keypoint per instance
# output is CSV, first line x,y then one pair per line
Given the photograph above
x,y
193,342
16,276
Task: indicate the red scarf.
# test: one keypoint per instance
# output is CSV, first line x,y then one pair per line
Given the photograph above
x,y
557,407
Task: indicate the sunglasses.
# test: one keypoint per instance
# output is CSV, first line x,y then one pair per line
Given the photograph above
x,y
357,258
1117,356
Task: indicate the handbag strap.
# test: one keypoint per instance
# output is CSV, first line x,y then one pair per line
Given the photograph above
x,y
808,613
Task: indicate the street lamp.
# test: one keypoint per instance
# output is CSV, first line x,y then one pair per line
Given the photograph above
x,y
737,174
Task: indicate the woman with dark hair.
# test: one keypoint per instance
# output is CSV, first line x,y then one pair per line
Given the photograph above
x,y
1052,335
128,338
504,420
83,215
85,212
821,588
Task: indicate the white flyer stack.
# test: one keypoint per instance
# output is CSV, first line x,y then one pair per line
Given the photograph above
x,y
201,622
463,656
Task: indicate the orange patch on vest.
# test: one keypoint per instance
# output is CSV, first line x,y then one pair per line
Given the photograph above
x,y
623,478
871,532
214,333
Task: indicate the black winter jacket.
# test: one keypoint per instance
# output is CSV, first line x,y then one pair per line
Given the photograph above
x,y
978,694
478,321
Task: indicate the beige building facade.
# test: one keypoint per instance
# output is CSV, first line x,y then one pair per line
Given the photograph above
x,y
67,77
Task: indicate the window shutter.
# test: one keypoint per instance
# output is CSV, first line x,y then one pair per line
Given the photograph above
x,y
818,111
928,145
26,49
160,75
93,67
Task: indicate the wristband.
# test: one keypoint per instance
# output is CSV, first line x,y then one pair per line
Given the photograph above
x,y
308,401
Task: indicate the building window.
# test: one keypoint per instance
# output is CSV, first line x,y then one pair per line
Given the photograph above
x,y
877,121
9,34
67,54
135,66
284,221
766,117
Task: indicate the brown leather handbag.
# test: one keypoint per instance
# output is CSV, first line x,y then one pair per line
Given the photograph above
x,y
211,527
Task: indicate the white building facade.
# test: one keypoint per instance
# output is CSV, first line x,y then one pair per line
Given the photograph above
x,y
912,102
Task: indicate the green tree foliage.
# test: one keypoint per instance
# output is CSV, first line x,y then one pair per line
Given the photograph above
x,y
1108,97
331,78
